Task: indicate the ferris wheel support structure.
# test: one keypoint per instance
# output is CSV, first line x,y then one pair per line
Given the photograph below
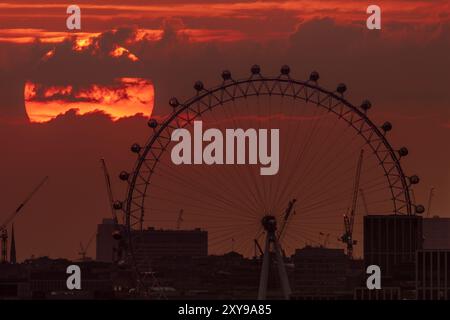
x,y
257,85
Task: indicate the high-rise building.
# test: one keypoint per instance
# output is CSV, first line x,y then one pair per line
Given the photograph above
x,y
433,275
391,242
106,245
436,233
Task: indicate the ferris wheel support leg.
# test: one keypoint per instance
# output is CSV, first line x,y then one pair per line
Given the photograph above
x,y
285,286
263,280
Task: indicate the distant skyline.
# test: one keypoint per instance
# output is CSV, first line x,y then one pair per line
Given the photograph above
x,y
402,69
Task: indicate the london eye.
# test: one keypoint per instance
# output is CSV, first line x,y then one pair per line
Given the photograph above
x,y
325,143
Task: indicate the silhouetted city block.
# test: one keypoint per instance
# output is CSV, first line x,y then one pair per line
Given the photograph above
x,y
436,233
433,275
106,245
320,273
385,293
391,241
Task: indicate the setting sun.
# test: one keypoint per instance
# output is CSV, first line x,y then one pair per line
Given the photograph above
x,y
123,98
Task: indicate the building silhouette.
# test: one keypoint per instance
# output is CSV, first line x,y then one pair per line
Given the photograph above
x,y
154,244
391,241
106,246
433,275
385,293
436,233
45,278
319,273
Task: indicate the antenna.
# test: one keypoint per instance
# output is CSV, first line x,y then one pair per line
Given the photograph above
x,y
180,219
430,200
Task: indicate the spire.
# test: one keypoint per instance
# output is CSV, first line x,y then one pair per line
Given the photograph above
x,y
12,252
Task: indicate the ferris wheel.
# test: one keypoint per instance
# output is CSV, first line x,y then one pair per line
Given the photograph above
x,y
322,138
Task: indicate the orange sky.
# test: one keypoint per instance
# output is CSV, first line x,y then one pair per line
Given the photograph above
x,y
205,20
167,45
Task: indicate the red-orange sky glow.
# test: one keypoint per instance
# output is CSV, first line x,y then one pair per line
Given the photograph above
x,y
71,97
126,97
208,20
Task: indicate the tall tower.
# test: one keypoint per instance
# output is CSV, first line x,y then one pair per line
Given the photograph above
x,y
4,245
12,252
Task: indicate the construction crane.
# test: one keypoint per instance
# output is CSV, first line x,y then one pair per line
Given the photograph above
x,y
430,200
180,219
349,218
109,189
364,201
287,214
11,217
84,249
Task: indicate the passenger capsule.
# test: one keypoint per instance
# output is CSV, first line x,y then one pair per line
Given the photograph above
x,y
403,152
420,209
414,179
117,205
387,126
255,69
124,175
152,123
135,148
314,76
198,86
285,70
226,75
341,88
173,102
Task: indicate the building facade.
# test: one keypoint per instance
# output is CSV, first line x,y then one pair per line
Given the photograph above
x,y
153,244
433,275
386,293
436,233
391,242
106,246
319,273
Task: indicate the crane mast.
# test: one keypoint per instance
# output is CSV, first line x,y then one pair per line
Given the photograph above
x,y
11,217
364,201
109,189
84,249
349,219
287,214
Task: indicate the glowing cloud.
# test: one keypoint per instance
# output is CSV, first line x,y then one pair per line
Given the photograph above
x,y
121,51
125,97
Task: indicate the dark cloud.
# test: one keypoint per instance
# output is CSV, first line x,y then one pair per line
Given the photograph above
x,y
99,67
